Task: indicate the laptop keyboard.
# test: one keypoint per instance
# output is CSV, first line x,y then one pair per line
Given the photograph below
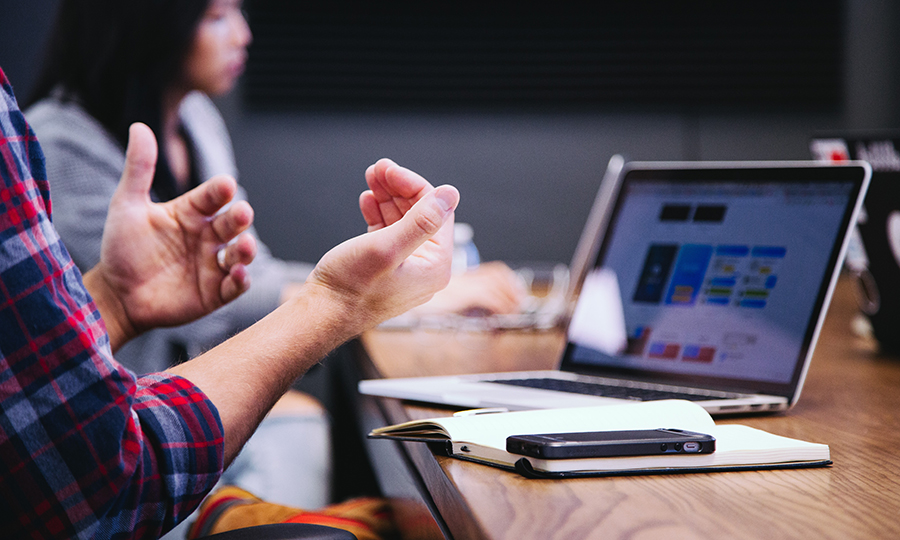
x,y
614,391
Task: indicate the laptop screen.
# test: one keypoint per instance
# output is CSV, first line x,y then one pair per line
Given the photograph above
x,y
714,276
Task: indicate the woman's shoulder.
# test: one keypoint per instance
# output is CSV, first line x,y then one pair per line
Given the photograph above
x,y
65,123
197,110
209,135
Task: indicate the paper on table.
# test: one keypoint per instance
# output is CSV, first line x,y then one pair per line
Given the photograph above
x,y
599,320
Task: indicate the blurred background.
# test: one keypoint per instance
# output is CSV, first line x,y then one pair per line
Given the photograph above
x,y
521,107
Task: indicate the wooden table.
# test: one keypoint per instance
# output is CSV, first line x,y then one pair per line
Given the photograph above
x,y
851,401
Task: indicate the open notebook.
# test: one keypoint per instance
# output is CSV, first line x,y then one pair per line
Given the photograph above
x,y
710,284
482,438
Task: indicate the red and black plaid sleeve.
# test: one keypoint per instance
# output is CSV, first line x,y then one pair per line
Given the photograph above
x,y
86,450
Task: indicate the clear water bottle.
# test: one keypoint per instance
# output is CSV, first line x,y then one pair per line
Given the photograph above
x,y
465,254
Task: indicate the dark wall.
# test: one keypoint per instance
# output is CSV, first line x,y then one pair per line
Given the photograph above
x,y
527,178
23,28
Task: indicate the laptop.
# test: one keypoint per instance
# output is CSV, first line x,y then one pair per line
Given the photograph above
x,y
873,256
718,276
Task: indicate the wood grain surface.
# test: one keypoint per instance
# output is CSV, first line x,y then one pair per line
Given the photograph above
x,y
851,401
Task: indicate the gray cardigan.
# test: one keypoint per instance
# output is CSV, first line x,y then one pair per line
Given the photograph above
x,y
84,163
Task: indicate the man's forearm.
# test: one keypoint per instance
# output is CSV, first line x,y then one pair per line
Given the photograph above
x,y
360,282
246,375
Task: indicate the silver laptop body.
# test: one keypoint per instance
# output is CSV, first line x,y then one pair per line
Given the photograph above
x,y
707,281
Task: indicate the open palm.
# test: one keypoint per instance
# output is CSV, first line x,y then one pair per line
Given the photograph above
x,y
160,259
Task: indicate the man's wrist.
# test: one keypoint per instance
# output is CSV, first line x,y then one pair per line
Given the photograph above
x,y
334,311
112,311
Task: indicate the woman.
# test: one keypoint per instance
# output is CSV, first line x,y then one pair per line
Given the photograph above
x,y
113,62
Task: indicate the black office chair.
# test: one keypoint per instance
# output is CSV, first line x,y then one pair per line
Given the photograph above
x,y
284,531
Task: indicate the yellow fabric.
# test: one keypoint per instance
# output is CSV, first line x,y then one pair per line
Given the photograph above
x,y
368,518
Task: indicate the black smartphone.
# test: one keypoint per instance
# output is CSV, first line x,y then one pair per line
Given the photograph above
x,y
643,442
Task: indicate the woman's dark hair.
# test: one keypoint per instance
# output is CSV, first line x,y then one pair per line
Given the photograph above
x,y
116,57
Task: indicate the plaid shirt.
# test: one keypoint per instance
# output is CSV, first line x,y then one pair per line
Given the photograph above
x,y
86,450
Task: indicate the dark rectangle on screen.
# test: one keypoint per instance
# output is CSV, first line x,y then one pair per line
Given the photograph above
x,y
710,213
675,212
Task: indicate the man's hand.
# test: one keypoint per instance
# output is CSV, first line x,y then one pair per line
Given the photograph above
x,y
403,259
393,190
492,288
160,263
